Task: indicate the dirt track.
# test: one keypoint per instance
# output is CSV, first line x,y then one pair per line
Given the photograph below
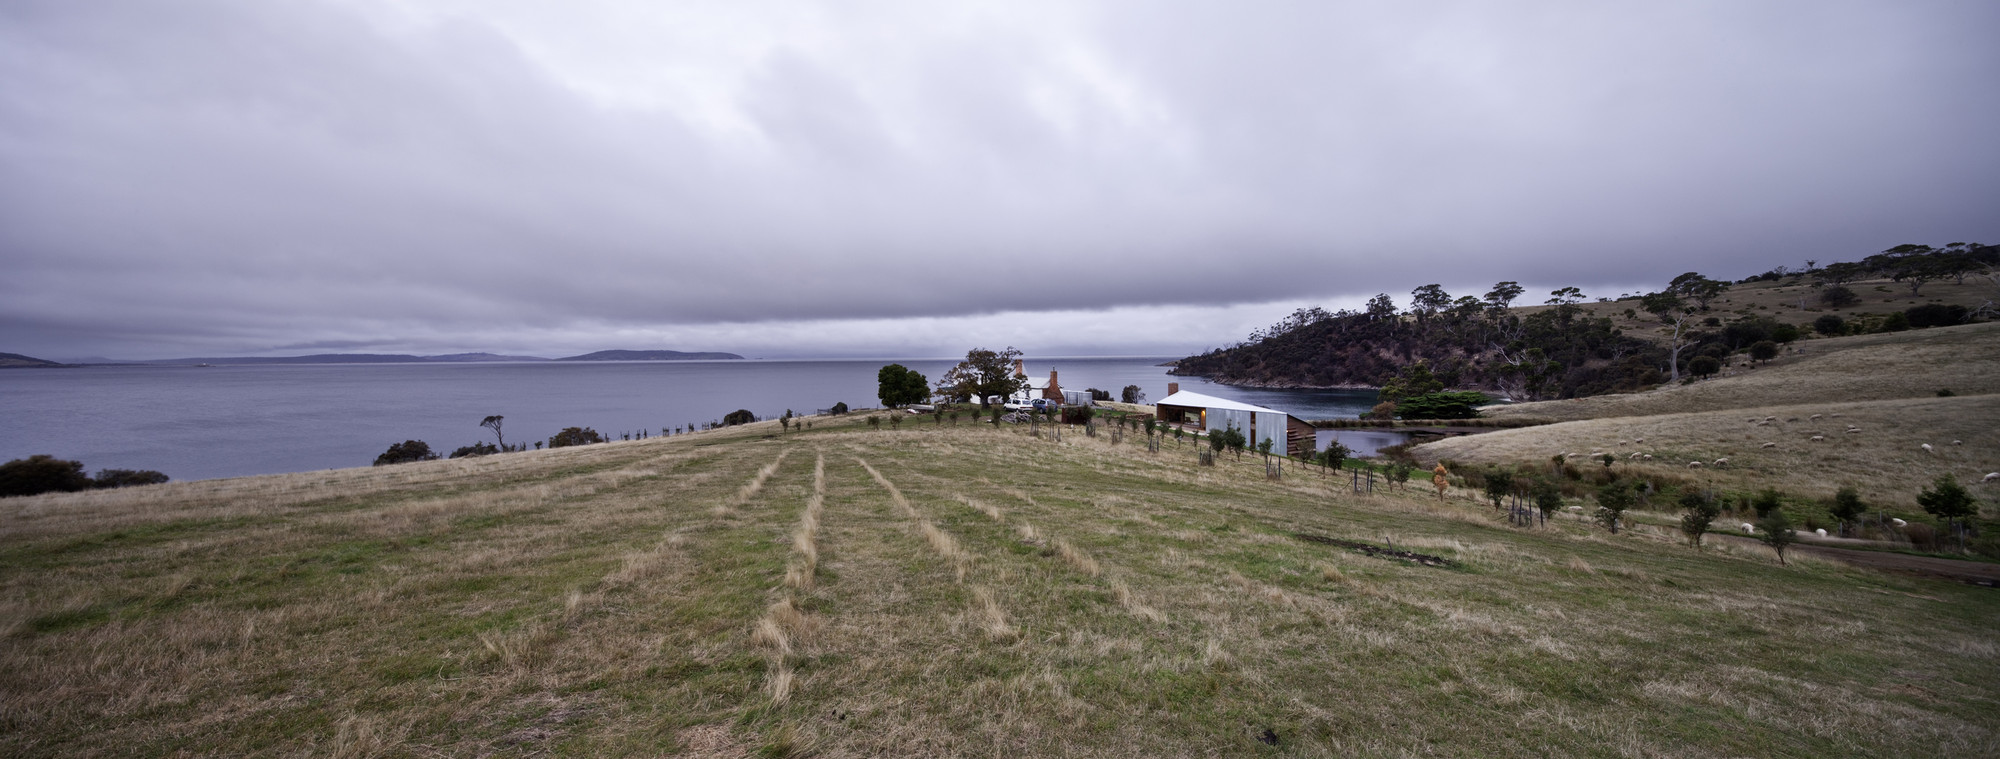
x,y
1974,572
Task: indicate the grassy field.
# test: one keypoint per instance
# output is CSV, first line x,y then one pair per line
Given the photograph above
x,y
1763,420
926,591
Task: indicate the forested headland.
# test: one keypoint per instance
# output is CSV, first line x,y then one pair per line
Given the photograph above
x,y
1572,345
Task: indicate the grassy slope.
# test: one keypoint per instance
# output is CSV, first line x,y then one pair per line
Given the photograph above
x,y
1884,384
1011,596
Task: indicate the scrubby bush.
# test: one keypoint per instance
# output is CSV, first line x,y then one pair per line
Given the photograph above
x,y
1548,498
1697,513
1838,296
406,451
1763,350
1785,333
124,478
1777,532
1766,501
739,416
1894,322
839,408
476,449
1132,394
1613,498
1077,414
570,436
1949,501
1460,404
42,473
1830,324
1846,507
1499,484
1704,366
1935,315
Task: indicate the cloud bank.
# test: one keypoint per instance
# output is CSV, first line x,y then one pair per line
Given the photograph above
x,y
915,178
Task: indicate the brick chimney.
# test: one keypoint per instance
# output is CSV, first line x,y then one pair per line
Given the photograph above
x,y
1018,371
1173,387
1054,392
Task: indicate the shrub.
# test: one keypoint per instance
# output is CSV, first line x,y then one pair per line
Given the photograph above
x,y
1838,296
1132,394
1763,350
1335,456
41,473
1785,333
1704,366
1448,404
1946,393
874,422
1830,324
1766,501
1697,513
1894,322
570,436
1776,532
1846,507
1383,410
121,478
406,451
839,408
1499,483
476,449
1947,500
1935,315
1613,498
1548,498
1077,414
739,416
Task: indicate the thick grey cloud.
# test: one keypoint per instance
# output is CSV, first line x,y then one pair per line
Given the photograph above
x,y
788,179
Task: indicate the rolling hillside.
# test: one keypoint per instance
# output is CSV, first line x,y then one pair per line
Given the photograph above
x,y
925,590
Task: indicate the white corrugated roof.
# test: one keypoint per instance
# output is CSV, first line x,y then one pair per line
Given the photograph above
x,y
1186,398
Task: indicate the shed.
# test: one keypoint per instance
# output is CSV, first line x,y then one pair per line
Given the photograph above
x,y
1206,412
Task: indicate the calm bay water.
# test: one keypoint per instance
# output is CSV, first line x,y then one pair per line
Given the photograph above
x,y
226,421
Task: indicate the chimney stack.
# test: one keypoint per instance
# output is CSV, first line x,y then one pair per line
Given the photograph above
x,y
1018,370
1173,387
1054,391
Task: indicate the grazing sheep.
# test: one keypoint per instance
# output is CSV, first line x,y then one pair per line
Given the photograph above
x,y
1770,419
1821,532
1927,448
1990,476
1635,454
1694,465
1768,445
1898,522
1814,417
1640,441
1958,442
1647,457
1724,461
1819,438
1853,430
1748,527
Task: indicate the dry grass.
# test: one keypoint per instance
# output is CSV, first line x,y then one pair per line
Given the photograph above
x,y
1901,365
589,603
1885,460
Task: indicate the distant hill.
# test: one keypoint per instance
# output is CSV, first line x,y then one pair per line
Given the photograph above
x,y
318,358
17,360
649,356
480,357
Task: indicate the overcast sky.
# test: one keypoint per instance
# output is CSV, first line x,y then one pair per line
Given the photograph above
x,y
237,177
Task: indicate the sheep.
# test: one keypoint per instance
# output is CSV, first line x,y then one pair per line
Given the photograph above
x,y
1958,442
1647,457
1724,461
1814,417
1853,430
1927,448
1768,445
1819,438
1770,419
1694,465
1748,527
1640,441
1990,477
1821,532
1898,522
